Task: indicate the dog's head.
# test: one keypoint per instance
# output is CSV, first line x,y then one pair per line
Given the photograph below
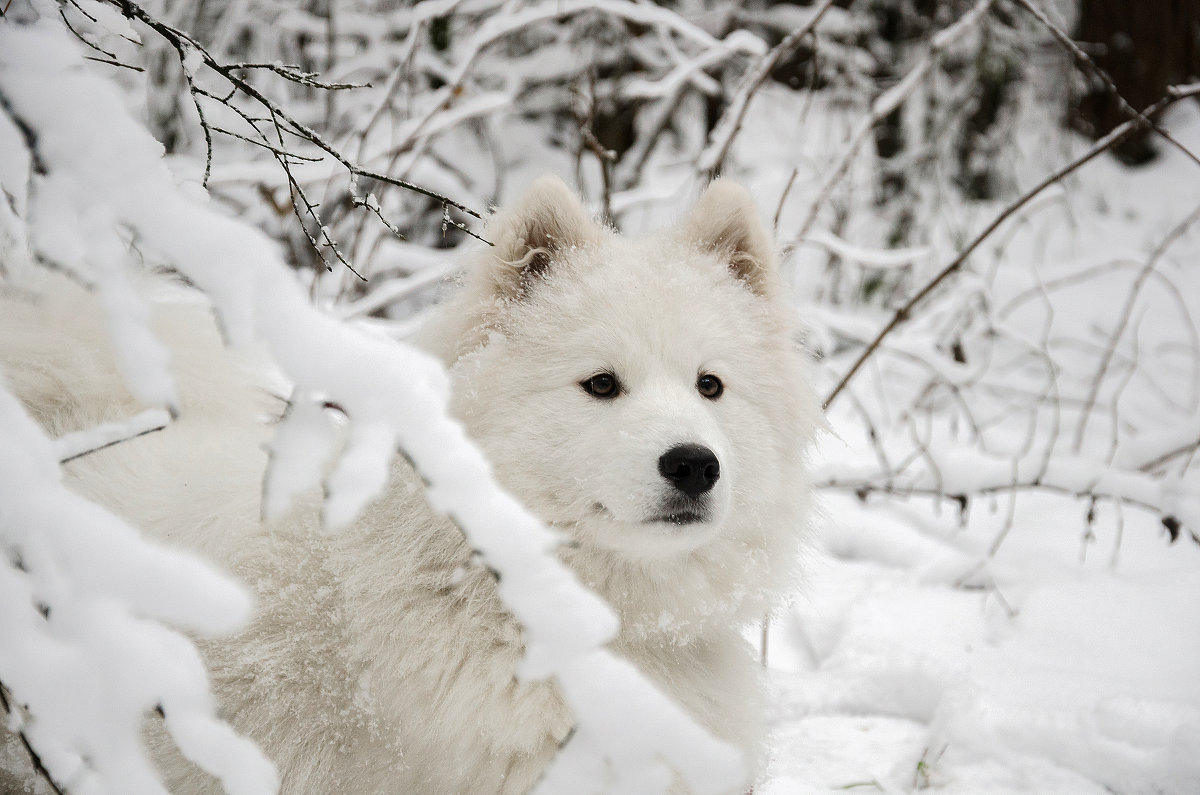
x,y
636,393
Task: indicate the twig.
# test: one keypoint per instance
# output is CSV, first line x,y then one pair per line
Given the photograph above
x,y
1109,85
1183,449
193,92
294,188
294,74
112,62
1123,322
585,118
1118,134
34,759
783,198
185,45
28,135
272,149
372,204
862,488
112,56
888,101
102,437
730,124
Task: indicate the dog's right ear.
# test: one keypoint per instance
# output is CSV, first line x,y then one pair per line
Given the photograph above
x,y
725,220
530,235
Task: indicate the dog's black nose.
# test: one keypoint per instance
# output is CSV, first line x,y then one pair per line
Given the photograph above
x,y
691,468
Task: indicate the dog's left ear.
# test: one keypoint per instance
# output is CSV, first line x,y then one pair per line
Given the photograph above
x,y
726,221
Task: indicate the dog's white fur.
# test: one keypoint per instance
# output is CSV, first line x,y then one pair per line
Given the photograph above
x,y
373,665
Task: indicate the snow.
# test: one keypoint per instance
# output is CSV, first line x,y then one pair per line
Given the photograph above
x,y
1055,676
303,444
1010,643
605,686
873,257
1019,640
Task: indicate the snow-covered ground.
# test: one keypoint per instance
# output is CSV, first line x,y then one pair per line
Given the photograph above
x,y
1069,660
906,665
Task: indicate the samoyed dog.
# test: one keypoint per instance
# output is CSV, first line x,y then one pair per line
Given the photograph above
x,y
647,397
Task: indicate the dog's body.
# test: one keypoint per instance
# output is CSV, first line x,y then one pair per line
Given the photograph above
x,y
644,397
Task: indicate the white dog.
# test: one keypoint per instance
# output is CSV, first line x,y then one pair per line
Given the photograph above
x,y
646,397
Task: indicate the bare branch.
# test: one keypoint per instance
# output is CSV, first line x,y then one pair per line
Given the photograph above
x,y
1184,449
295,75
1123,322
112,57
783,199
1118,134
863,488
1082,57
730,124
34,758
92,440
186,47
888,101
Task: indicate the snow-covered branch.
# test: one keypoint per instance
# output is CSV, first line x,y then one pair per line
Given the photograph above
x,y
85,651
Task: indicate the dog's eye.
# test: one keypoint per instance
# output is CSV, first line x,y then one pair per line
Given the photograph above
x,y
602,385
710,386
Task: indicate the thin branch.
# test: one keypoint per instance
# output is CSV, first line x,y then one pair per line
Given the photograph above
x,y
730,124
111,55
272,149
1123,322
111,62
1118,134
193,92
1183,449
185,46
28,135
34,759
1110,86
863,488
372,204
294,74
783,198
77,445
889,101
585,119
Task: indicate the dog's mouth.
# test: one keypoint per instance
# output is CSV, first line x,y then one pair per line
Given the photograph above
x,y
680,518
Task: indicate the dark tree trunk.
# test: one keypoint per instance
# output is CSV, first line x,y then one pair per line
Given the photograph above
x,y
1145,45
